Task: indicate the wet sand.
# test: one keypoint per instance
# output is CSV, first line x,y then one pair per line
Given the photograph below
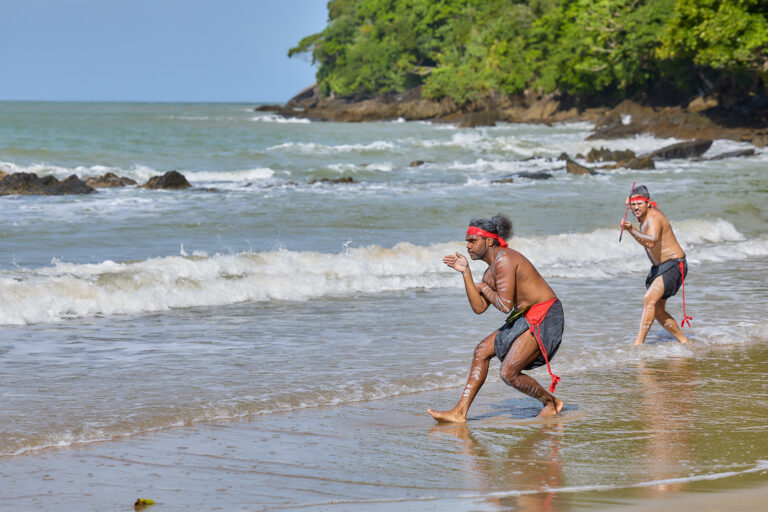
x,y
658,435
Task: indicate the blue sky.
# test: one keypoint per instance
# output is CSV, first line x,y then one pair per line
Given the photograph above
x,y
155,50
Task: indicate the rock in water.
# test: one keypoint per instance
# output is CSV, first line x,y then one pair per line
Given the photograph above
x,y
171,180
25,183
688,149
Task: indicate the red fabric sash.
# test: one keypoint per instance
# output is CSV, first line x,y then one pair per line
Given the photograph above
x,y
535,315
474,230
682,280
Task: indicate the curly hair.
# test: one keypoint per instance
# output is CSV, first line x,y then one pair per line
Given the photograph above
x,y
499,224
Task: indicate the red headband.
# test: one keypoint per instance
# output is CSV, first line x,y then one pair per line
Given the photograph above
x,y
643,198
473,230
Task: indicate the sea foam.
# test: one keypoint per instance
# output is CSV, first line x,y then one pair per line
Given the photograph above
x,y
67,290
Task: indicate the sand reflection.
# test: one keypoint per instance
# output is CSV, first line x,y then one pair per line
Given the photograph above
x,y
529,464
666,407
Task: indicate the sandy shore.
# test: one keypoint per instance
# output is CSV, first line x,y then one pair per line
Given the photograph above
x,y
390,455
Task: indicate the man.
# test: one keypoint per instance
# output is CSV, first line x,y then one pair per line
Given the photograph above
x,y
668,269
533,330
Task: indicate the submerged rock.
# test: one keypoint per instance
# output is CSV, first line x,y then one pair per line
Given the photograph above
x,y
25,183
345,179
170,180
534,175
734,154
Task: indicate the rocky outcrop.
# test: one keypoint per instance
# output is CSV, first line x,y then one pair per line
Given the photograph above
x,y
699,119
109,180
688,149
24,183
604,155
173,180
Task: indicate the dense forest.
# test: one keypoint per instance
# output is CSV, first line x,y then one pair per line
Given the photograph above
x,y
592,50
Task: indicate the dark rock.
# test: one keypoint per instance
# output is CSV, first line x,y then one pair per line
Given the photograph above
x,y
268,108
734,154
504,180
109,180
307,98
416,163
608,121
642,162
688,149
170,180
474,119
345,179
604,154
621,131
25,183
537,175
760,141
574,168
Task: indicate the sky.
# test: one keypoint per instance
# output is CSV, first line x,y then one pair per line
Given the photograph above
x,y
156,50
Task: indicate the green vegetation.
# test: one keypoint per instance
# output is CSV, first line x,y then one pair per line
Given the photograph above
x,y
465,49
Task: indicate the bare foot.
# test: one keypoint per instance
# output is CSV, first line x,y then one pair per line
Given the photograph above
x,y
551,409
639,342
683,340
448,416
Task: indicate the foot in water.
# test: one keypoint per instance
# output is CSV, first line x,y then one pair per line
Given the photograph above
x,y
448,416
551,409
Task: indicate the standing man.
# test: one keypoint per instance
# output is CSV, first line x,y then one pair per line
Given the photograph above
x,y
668,265
533,330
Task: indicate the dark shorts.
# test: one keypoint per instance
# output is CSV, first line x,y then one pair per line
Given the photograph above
x,y
670,274
551,334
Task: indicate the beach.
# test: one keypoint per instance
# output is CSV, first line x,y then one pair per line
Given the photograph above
x,y
266,340
673,448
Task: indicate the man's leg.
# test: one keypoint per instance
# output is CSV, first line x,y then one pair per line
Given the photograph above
x,y
652,296
484,352
668,322
523,352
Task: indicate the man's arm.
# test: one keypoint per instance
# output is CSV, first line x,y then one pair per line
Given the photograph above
x,y
502,296
459,263
650,237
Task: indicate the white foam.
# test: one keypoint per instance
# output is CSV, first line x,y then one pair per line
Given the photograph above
x,y
66,290
244,175
311,147
274,118
383,167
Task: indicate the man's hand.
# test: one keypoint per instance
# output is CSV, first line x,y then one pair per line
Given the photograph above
x,y
626,225
457,262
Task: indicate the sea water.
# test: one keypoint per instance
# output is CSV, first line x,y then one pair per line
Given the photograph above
x,y
263,290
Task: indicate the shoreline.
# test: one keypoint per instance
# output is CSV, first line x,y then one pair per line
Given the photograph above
x,y
377,454
701,118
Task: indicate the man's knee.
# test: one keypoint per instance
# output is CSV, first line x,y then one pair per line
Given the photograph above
x,y
650,300
485,350
509,374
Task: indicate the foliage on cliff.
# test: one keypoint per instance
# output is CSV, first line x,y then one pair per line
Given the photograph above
x,y
464,49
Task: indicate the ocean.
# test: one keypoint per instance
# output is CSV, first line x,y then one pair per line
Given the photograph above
x,y
264,297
